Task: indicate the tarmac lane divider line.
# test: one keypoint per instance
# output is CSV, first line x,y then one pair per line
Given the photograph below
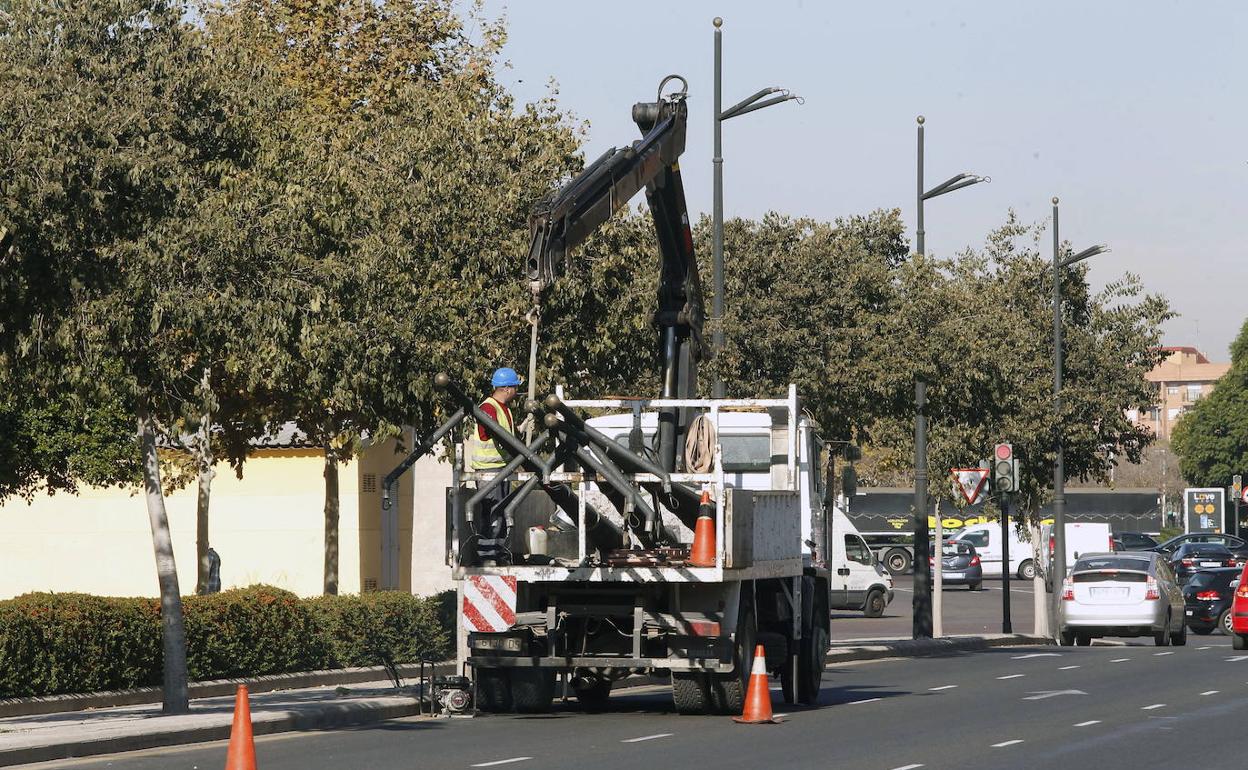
x,y
1120,660
1011,676
1088,723
498,762
908,767
1210,692
1003,744
942,687
647,738
1159,654
857,702
1154,706
1066,668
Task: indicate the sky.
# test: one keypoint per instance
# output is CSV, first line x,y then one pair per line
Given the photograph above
x,y
1134,113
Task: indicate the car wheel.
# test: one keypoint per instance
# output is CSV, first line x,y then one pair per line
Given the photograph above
x,y
975,586
1224,622
1239,642
1162,637
1067,638
875,604
1179,638
1027,570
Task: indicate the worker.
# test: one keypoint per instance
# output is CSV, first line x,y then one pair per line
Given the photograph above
x,y
488,455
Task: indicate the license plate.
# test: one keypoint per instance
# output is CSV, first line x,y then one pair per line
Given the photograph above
x,y
1211,564
1191,612
953,575
1107,592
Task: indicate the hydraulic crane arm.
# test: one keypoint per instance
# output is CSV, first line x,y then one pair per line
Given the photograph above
x,y
564,221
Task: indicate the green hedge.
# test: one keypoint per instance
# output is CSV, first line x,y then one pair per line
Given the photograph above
x,y
62,643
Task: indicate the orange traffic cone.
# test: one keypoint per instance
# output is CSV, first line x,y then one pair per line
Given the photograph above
x,y
242,753
703,552
758,694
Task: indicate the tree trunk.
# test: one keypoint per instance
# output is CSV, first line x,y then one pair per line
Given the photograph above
x,y
173,632
204,461
331,519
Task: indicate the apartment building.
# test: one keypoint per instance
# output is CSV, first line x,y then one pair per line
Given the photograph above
x,y
1183,378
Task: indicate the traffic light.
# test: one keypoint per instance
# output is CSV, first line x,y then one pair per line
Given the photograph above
x,y
1004,468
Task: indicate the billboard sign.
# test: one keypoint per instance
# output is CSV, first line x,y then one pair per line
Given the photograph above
x,y
1204,510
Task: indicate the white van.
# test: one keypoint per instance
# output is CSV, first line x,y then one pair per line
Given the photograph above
x,y
987,541
859,582
1081,537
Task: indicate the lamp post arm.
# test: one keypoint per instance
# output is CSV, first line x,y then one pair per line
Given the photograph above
x,y
728,113
735,111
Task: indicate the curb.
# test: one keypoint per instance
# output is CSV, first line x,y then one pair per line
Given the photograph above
x,y
214,688
263,723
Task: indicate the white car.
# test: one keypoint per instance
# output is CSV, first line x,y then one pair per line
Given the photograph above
x,y
1122,594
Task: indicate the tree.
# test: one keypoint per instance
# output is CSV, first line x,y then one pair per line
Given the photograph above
x,y
978,328
1211,438
394,192
119,143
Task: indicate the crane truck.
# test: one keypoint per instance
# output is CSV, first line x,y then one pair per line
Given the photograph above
x,y
601,583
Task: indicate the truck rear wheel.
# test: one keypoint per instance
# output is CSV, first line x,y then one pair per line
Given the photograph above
x,y
532,689
813,649
595,696
689,692
897,561
493,690
727,691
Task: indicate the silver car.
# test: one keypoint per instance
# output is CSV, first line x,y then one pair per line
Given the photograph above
x,y
1122,594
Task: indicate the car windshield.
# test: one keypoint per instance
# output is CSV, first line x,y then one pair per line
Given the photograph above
x,y
1204,549
956,549
1110,562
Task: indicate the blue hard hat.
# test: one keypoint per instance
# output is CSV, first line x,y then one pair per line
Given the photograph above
x,y
505,377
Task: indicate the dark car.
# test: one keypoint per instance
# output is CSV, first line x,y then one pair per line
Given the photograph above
x,y
1208,596
1133,541
960,565
1192,557
1238,545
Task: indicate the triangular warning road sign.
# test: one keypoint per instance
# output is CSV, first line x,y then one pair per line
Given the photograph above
x,y
970,481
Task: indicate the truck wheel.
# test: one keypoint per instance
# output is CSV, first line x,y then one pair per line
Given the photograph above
x,y
689,692
493,690
897,561
1027,570
727,691
594,697
813,652
875,604
532,689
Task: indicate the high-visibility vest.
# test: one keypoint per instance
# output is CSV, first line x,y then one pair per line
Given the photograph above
x,y
486,454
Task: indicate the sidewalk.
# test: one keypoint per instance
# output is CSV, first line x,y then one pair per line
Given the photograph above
x,y
43,737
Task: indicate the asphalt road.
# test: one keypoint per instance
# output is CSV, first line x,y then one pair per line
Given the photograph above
x,y
1042,707
965,612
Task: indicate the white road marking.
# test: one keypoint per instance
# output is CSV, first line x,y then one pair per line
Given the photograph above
x,y
1089,722
647,738
1043,694
778,716
1206,647
501,762
1003,744
868,700
1154,706
1120,660
942,687
1159,654
1066,668
1210,692
1037,655
1237,658
908,767
1011,676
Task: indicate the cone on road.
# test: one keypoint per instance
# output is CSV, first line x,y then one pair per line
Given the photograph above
x,y
758,694
702,554
242,753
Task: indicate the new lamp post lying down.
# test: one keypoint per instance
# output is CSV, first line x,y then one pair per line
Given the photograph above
x,y
612,589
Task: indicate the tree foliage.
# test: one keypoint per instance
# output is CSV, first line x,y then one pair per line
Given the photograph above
x,y
1211,438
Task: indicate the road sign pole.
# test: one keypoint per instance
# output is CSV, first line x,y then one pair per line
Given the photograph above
x,y
1237,494
1006,626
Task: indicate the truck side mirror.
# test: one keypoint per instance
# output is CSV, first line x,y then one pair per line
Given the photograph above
x,y
849,481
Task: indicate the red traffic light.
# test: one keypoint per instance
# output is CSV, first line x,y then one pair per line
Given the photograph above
x,y
1004,451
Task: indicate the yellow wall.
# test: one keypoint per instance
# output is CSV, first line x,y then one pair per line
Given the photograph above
x,y
268,527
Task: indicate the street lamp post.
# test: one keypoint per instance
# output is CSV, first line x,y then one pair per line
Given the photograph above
x,y
1059,471
922,622
717,208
